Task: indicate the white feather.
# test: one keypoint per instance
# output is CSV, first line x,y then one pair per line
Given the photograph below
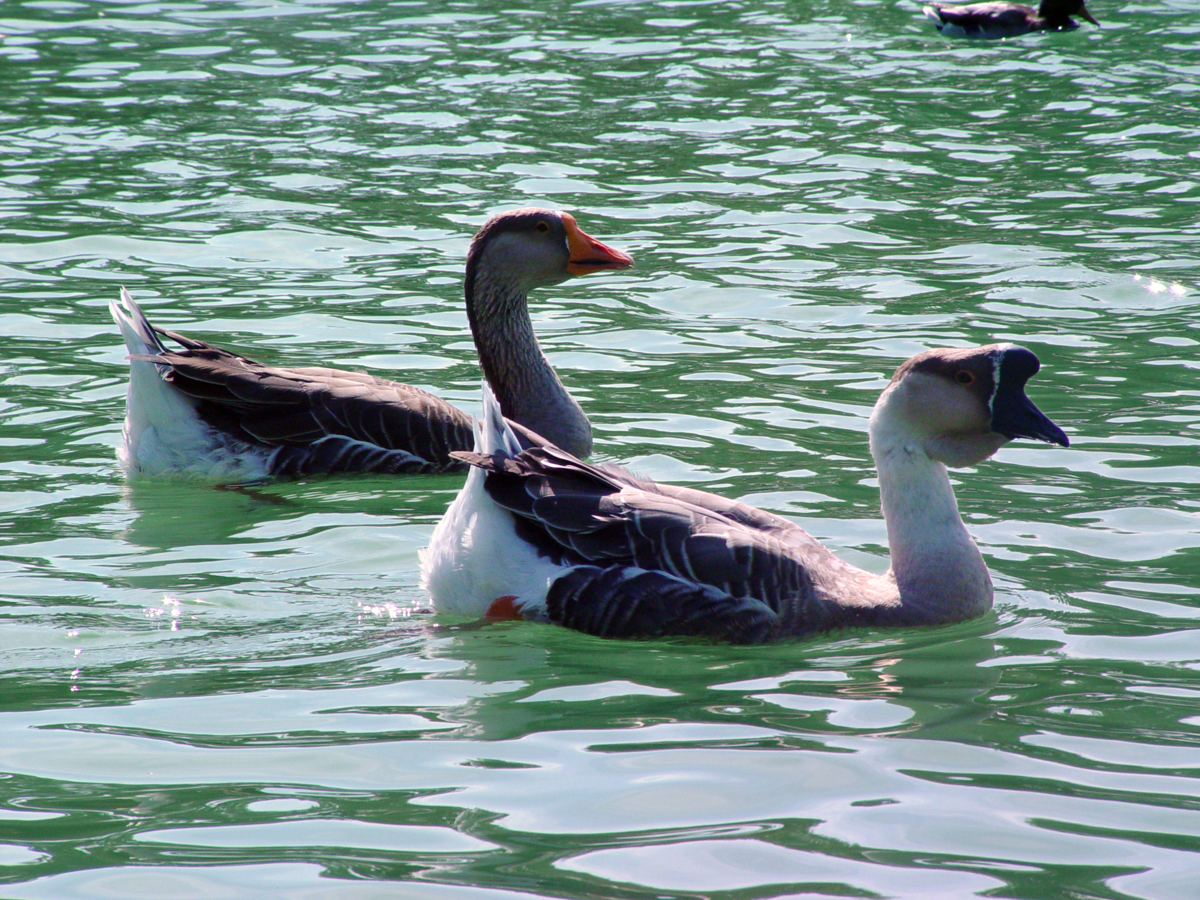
x,y
474,556
163,434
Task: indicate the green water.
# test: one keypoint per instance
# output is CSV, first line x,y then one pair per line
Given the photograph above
x,y
216,693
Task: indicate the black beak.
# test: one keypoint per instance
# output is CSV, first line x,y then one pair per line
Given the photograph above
x,y
1015,416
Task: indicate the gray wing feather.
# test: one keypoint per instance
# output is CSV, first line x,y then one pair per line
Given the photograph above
x,y
994,19
328,420
632,602
704,546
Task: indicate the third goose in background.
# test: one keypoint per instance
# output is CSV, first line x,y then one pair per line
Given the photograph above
x,y
1003,19
537,534
206,412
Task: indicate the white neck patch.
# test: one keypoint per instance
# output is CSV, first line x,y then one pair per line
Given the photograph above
x,y
997,365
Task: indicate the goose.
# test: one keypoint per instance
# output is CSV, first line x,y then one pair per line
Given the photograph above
x,y
206,412
536,534
1001,19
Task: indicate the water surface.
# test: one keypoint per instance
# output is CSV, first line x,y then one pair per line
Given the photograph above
x,y
214,692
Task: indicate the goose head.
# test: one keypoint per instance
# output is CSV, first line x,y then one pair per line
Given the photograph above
x,y
524,249
1057,10
959,406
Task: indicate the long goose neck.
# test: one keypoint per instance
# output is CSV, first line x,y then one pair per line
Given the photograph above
x,y
529,390
940,573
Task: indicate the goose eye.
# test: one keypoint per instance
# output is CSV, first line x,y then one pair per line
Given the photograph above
x,y
542,227
964,377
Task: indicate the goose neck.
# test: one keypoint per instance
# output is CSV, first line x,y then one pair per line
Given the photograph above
x,y
526,385
940,573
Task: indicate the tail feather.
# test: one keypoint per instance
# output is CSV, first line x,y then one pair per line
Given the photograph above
x,y
494,435
163,433
135,327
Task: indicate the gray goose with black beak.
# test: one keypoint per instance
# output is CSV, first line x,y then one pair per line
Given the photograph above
x,y
537,534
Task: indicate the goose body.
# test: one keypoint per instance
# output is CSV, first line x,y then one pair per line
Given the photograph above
x,y
538,534
194,409
1001,18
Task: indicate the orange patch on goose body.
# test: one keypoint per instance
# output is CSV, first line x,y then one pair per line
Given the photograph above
x,y
504,609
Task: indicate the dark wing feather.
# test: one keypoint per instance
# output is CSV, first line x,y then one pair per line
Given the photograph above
x,y
584,515
335,454
362,423
1000,19
742,513
631,602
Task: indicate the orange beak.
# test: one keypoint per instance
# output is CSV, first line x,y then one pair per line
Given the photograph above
x,y
1083,13
588,254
